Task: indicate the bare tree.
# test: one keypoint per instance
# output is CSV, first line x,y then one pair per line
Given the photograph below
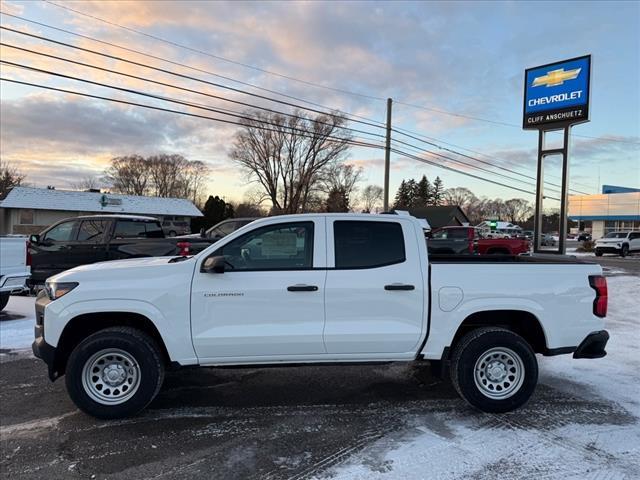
x,y
162,175
371,198
129,175
517,210
86,183
459,196
340,176
288,157
10,177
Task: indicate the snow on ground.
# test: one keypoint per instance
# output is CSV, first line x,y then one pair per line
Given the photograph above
x,y
16,323
598,438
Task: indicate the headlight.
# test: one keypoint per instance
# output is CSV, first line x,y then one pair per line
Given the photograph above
x,y
56,290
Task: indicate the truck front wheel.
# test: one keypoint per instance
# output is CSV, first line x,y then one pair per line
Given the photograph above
x,y
494,370
114,373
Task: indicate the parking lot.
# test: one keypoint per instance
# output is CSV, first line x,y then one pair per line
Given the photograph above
x,y
383,421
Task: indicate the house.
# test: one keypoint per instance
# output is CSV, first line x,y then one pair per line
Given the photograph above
x,y
27,210
442,216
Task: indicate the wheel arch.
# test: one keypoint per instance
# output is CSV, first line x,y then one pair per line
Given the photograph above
x,y
83,325
521,322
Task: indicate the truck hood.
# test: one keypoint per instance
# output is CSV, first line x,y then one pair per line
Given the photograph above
x,y
134,267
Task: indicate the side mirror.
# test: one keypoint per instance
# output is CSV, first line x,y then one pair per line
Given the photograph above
x,y
213,265
34,239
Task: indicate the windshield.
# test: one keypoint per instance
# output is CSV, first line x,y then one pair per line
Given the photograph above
x,y
616,235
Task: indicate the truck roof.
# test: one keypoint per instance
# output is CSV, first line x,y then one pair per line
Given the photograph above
x,y
108,215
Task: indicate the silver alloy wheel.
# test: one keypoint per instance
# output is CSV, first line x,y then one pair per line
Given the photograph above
x,y
499,373
111,376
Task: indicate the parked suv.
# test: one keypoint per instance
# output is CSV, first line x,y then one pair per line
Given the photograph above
x,y
621,243
171,228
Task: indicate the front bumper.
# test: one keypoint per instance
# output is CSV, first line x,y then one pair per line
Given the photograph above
x,y
608,248
593,346
41,349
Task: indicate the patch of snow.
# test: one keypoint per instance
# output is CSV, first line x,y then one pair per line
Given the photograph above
x,y
16,323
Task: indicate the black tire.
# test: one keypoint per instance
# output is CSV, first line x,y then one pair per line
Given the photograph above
x,y
4,299
624,251
516,388
598,253
172,233
135,343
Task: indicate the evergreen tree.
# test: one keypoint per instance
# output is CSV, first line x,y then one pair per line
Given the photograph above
x,y
403,198
424,192
437,193
412,192
337,201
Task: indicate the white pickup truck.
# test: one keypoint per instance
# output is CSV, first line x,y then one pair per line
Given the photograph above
x,y
317,288
14,267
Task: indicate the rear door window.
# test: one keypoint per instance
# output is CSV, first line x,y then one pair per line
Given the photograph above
x,y
137,229
365,244
92,231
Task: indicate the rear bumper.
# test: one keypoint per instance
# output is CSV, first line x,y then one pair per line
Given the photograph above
x,y
593,346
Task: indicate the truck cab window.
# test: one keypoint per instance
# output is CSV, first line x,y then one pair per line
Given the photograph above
x,y
286,246
368,244
63,232
136,229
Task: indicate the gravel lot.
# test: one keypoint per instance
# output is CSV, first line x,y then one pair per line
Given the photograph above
x,y
388,421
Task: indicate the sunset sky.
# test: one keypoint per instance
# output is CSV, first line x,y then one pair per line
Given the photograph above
x,y
464,58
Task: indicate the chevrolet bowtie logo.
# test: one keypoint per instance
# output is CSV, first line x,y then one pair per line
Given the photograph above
x,y
556,77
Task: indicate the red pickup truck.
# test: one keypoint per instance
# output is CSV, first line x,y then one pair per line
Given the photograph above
x,y
469,240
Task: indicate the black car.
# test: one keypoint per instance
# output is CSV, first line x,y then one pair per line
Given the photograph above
x,y
96,238
584,237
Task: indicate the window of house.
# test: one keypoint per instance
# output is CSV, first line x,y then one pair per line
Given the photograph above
x,y
26,217
364,244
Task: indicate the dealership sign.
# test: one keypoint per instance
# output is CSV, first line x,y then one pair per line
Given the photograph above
x,y
557,94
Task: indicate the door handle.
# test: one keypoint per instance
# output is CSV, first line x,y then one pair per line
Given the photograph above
x,y
302,288
399,286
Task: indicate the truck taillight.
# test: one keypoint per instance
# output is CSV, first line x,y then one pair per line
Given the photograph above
x,y
599,284
28,255
183,248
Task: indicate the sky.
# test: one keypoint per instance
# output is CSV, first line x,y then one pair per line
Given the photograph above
x,y
460,64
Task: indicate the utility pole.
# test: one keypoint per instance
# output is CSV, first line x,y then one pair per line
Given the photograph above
x,y
387,158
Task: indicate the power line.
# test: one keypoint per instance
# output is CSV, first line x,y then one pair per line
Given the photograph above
x,y
217,57
422,136
477,160
170,72
376,123
152,107
179,112
218,97
307,82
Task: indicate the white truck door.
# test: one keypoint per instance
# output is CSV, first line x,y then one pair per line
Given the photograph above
x,y
375,290
270,299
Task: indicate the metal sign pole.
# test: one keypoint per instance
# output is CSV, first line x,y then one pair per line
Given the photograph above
x,y
564,199
537,218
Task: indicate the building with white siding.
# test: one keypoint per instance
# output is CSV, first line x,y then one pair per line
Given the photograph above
x,y
27,210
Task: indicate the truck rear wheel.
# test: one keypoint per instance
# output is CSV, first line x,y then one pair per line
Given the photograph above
x,y
114,373
494,370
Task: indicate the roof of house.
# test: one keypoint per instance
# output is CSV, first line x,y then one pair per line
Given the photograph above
x,y
67,200
440,216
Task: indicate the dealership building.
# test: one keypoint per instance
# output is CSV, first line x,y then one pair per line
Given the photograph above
x,y
615,209
27,210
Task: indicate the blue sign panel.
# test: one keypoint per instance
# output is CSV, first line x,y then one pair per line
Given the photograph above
x,y
557,93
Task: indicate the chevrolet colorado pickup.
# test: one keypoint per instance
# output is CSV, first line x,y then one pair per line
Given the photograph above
x,y
317,288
